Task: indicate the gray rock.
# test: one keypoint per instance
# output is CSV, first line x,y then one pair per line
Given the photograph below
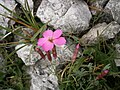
x,y
68,15
64,53
3,20
27,54
43,76
117,48
101,30
113,8
117,60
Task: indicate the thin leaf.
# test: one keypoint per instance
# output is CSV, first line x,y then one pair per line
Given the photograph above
x,y
27,16
78,64
32,18
39,31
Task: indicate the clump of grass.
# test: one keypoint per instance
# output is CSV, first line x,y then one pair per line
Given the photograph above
x,y
13,74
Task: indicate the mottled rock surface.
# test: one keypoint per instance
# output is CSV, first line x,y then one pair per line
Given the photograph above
x,y
113,8
117,60
27,54
69,15
43,76
3,20
101,30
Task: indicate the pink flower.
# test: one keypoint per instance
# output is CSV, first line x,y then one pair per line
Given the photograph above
x,y
50,39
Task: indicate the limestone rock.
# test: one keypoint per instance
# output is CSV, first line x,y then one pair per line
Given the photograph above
x,y
68,15
10,4
27,54
43,76
117,60
103,30
113,8
64,53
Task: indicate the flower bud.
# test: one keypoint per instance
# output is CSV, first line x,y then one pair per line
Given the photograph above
x,y
40,52
48,55
75,53
103,73
54,52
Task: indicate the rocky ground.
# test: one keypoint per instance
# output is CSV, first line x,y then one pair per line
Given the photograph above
x,y
88,19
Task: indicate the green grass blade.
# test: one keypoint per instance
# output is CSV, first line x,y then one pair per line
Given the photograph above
x,y
39,31
27,16
35,25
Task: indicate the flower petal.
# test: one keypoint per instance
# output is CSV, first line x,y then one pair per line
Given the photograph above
x,y
47,46
48,33
41,41
59,41
57,33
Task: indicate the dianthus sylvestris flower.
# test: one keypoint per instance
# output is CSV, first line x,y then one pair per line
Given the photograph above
x,y
50,39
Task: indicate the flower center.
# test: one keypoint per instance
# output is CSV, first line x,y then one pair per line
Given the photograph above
x,y
51,40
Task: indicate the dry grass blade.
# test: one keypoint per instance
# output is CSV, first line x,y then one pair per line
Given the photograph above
x,y
20,22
